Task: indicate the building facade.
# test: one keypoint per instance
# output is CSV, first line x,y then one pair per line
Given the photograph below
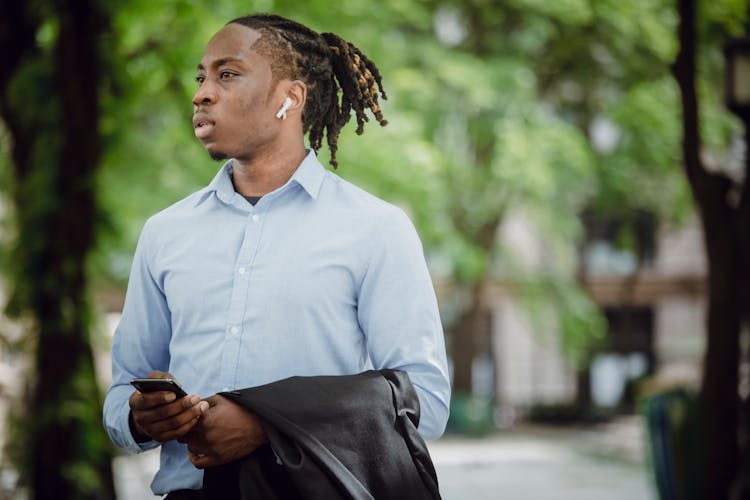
x,y
655,307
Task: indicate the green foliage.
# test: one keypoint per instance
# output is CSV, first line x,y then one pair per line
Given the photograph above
x,y
62,446
576,12
84,416
477,128
498,119
76,411
6,181
642,173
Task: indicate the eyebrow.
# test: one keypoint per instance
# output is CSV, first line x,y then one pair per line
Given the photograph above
x,y
220,62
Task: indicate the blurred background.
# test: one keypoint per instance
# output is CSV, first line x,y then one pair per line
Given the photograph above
x,y
573,169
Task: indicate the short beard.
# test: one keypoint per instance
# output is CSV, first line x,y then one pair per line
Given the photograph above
x,y
218,156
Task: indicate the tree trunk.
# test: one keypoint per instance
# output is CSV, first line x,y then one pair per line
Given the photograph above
x,y
56,150
719,391
466,339
466,333
725,229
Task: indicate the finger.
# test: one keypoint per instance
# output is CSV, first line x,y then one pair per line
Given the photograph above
x,y
190,400
166,418
194,457
177,421
147,400
196,435
164,411
188,437
178,432
161,374
203,461
214,400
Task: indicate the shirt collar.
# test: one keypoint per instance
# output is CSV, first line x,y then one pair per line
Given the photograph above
x,y
309,175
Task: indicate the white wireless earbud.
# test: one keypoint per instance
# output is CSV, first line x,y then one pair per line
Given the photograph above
x,y
284,107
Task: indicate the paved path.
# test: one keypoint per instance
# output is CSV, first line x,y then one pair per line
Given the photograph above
x,y
536,466
519,464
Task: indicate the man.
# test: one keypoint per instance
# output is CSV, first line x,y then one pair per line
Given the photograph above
x,y
277,268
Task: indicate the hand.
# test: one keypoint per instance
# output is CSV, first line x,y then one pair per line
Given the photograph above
x,y
163,417
226,432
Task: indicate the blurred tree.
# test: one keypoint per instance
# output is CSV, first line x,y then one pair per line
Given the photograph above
x,y
50,52
496,112
492,111
509,99
468,143
723,202
467,140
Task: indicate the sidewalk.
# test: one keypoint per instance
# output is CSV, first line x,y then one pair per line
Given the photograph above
x,y
533,463
525,463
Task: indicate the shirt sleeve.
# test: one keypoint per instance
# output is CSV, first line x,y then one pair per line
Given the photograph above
x,y
140,343
398,312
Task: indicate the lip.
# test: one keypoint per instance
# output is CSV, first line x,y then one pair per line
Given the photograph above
x,y
203,125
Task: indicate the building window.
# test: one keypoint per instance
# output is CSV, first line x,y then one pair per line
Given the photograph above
x,y
618,244
628,357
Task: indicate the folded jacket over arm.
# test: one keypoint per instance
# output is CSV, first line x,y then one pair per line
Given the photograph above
x,y
336,437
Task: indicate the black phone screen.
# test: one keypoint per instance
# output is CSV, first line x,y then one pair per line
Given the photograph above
x,y
158,384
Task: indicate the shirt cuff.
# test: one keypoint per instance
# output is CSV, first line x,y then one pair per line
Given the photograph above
x,y
122,434
139,437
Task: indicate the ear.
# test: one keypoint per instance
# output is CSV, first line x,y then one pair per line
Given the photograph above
x,y
297,92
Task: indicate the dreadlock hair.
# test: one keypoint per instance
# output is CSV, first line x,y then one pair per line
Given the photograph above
x,y
329,66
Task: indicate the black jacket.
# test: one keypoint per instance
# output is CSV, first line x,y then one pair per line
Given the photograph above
x,y
337,437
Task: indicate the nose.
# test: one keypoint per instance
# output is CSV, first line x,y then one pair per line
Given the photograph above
x,y
205,95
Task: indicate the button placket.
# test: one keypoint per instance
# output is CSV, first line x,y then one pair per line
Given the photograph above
x,y
236,314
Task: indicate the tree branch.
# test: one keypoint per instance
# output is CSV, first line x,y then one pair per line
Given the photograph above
x,y
684,70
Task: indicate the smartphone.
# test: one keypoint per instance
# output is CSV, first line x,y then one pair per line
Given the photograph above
x,y
158,384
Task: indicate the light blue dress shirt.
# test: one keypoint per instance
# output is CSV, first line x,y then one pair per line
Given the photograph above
x,y
318,278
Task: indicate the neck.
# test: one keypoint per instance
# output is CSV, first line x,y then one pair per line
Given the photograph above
x,y
266,171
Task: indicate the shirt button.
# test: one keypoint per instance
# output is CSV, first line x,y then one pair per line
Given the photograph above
x,y
234,330
241,270
256,217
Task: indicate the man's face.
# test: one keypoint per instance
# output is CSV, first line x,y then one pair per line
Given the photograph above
x,y
234,108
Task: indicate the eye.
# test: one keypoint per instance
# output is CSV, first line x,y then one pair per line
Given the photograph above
x,y
200,79
225,75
